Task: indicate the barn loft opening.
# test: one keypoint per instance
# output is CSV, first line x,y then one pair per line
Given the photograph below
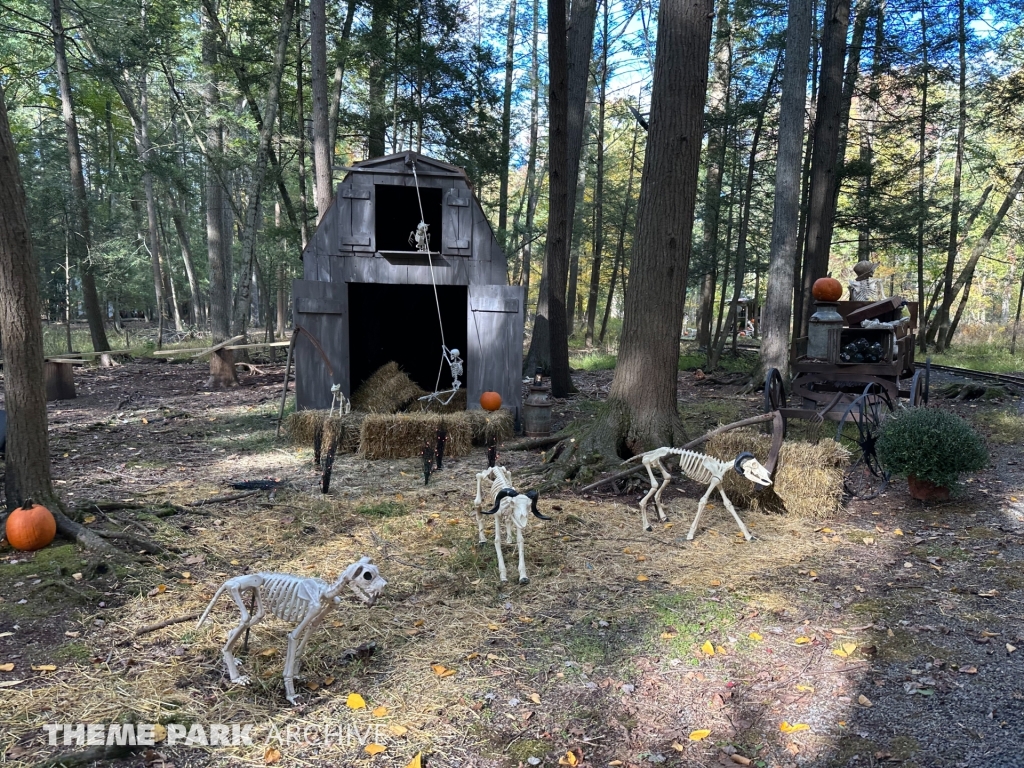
x,y
399,322
397,211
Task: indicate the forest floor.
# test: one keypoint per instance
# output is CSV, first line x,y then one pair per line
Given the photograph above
x,y
886,635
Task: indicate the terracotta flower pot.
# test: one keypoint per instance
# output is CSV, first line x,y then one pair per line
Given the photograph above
x,y
926,490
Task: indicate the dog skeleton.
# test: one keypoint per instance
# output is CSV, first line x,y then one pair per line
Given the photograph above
x,y
512,508
703,469
294,599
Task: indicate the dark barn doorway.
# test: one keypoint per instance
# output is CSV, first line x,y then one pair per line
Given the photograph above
x,y
398,215
399,322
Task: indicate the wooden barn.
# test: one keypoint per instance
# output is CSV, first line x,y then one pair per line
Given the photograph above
x,y
369,296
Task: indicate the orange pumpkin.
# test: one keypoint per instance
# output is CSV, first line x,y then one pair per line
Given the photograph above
x,y
30,527
827,289
490,401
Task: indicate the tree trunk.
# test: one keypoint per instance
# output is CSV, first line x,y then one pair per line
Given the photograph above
x,y
580,49
595,268
255,194
533,185
642,399
967,273
339,76
377,43
776,315
922,209
322,149
620,248
741,239
825,160
506,128
27,455
188,259
576,236
865,194
81,240
940,328
718,106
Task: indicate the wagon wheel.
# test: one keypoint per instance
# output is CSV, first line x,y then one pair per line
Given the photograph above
x,y
774,391
866,478
919,389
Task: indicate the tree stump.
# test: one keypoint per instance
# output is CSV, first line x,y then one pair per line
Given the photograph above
x,y
222,369
60,381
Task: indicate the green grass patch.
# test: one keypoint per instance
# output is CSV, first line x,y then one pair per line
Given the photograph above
x,y
982,357
692,620
383,509
1000,427
595,361
700,416
254,431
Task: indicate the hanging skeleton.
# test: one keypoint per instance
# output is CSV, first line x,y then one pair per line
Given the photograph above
x,y
703,469
297,599
512,508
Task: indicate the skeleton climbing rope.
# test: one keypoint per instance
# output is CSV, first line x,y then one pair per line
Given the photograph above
x,y
420,239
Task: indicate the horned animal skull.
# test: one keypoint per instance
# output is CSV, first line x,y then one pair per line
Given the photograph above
x,y
752,469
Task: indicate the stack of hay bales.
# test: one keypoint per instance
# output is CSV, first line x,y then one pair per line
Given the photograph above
x,y
808,479
378,430
388,390
403,435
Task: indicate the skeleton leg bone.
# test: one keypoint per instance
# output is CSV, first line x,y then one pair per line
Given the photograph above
x,y
478,507
523,578
297,637
236,590
700,508
657,496
732,509
502,575
645,499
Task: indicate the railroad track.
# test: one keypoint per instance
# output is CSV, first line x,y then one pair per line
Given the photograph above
x,y
1006,378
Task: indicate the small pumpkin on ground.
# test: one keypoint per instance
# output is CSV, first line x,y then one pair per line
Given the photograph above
x,y
490,401
827,289
30,527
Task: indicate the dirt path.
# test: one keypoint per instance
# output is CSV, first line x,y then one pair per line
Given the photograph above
x,y
882,636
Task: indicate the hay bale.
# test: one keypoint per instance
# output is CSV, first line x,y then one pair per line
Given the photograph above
x,y
303,425
491,426
808,480
388,390
403,435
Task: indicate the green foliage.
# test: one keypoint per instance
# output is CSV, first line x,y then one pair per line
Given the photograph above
x,y
383,509
595,361
931,444
983,356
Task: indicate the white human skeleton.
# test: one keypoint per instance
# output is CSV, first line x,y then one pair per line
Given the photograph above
x,y
294,599
703,469
512,508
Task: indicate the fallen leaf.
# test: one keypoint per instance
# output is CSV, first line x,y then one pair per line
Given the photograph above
x,y
740,759
678,747
756,637
1010,648
268,652
7,667
972,670
869,539
271,755
668,635
493,657
89,519
328,680
72,634
568,759
526,619
416,762
640,577
235,562
708,648
398,730
716,583
76,576
418,623
845,650
699,735
186,574
10,683
374,749
312,686
802,640
355,701
535,698
441,670
864,701
785,727
156,590
803,688
44,668
472,656
159,732
493,627
897,532
380,712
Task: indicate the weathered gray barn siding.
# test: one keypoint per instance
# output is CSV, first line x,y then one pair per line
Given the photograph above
x,y
344,251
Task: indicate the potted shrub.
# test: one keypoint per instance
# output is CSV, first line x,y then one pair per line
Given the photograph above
x,y
930,447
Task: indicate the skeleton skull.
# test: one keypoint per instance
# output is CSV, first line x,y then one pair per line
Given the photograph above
x,y
366,581
752,469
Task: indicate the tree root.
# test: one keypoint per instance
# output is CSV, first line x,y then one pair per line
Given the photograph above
x,y
89,756
69,529
137,542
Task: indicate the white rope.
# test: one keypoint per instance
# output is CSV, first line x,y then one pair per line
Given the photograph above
x,y
421,237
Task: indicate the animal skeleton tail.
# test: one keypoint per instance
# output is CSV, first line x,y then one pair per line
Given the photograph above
x,y
216,596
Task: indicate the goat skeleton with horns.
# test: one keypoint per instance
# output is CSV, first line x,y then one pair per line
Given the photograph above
x,y
294,599
703,469
512,508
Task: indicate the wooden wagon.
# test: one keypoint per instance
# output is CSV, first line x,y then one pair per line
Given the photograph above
x,y
863,373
